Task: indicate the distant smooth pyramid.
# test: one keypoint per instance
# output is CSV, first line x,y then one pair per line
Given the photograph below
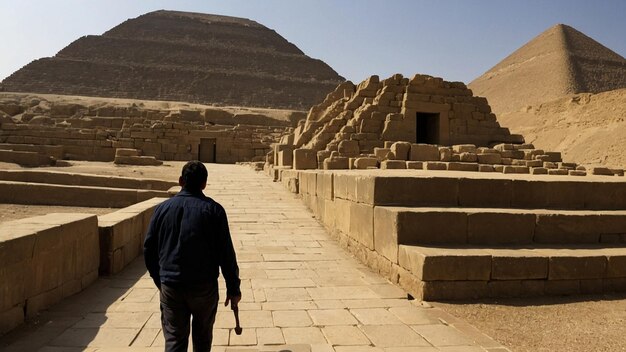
x,y
557,62
181,56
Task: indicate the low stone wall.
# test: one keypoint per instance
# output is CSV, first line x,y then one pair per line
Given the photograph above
x,y
65,178
27,159
44,259
122,234
80,196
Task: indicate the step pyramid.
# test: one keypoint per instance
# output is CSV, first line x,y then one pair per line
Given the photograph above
x,y
557,62
182,56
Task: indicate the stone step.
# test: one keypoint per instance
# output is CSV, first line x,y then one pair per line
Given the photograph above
x,y
497,226
468,272
467,189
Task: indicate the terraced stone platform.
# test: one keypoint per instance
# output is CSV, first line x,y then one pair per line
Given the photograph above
x,y
459,235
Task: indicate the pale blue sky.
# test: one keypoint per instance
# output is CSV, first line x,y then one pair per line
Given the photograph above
x,y
454,39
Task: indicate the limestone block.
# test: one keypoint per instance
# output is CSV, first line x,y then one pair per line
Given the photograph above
x,y
304,159
401,150
479,193
555,157
285,158
336,163
489,158
324,185
411,191
362,223
504,146
382,153
486,168
137,160
308,183
538,171
455,166
424,152
349,148
435,165
496,228
464,148
126,152
431,227
602,171
577,173
616,265
534,163
393,164
543,158
340,186
468,157
577,266
385,233
416,165
445,154
365,163
439,264
519,265
322,155
512,154
516,169
453,290
567,228
558,172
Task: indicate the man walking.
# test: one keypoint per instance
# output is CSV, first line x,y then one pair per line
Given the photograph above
x,y
188,240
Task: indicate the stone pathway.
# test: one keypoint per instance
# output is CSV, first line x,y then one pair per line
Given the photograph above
x,y
301,292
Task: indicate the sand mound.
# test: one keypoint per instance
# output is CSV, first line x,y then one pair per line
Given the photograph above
x,y
558,62
587,128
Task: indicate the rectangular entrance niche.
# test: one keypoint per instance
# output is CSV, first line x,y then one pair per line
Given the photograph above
x,y
427,128
206,152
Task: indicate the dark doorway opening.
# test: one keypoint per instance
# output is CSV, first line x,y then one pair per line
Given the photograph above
x,y
206,152
427,129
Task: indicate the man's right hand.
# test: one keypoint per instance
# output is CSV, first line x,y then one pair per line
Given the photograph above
x,y
234,301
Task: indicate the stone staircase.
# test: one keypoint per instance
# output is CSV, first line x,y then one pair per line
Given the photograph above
x,y
445,235
540,244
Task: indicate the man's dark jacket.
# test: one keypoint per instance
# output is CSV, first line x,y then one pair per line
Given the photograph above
x,y
187,240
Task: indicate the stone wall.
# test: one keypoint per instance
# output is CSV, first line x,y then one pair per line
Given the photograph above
x,y
122,234
82,132
43,260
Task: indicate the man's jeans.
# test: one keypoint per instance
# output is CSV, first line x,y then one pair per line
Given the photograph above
x,y
178,304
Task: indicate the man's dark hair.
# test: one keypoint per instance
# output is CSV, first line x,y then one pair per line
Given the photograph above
x,y
194,175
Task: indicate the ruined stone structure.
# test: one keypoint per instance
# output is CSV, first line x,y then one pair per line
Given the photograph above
x,y
38,132
557,62
179,56
358,120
